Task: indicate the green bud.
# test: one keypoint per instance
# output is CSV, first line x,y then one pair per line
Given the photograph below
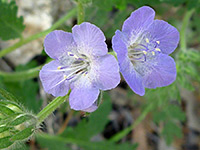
x,y
16,123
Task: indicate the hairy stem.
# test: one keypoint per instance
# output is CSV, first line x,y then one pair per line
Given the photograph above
x,y
38,35
124,132
80,12
50,108
186,20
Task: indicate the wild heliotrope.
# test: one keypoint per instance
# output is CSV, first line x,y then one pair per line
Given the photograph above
x,y
142,49
81,63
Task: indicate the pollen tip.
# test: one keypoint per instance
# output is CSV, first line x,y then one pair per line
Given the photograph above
x,y
158,49
65,77
153,53
59,67
147,40
158,42
144,52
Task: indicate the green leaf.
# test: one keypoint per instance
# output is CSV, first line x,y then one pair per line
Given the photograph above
x,y
5,142
5,110
11,26
27,95
170,131
52,143
23,134
4,128
7,95
20,119
61,143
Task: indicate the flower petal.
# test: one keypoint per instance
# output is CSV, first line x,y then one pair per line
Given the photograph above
x,y
57,43
90,39
91,108
52,80
133,79
83,94
139,20
105,72
162,72
119,45
166,34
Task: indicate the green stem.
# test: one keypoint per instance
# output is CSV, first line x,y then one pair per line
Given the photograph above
x,y
80,12
186,20
124,132
38,35
50,108
21,75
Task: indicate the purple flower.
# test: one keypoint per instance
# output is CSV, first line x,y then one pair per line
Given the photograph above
x,y
142,49
81,63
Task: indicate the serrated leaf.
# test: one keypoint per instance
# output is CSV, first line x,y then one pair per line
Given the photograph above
x,y
5,142
170,130
176,112
11,26
23,134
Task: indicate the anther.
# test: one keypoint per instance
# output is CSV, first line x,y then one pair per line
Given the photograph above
x,y
153,53
144,52
70,54
65,77
158,42
147,40
157,49
59,67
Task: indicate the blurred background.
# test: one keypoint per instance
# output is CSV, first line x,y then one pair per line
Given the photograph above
x,y
169,117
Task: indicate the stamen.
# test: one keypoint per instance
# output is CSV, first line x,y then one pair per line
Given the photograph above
x,y
153,53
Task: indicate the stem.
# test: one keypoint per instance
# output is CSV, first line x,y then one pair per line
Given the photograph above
x,y
124,132
19,76
81,12
38,35
186,20
50,108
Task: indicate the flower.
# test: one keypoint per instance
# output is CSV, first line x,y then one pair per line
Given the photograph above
x,y
142,49
81,63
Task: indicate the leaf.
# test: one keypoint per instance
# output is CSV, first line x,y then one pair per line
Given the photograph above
x,y
5,142
27,95
20,119
23,134
61,143
170,131
5,110
4,128
52,143
11,26
7,95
